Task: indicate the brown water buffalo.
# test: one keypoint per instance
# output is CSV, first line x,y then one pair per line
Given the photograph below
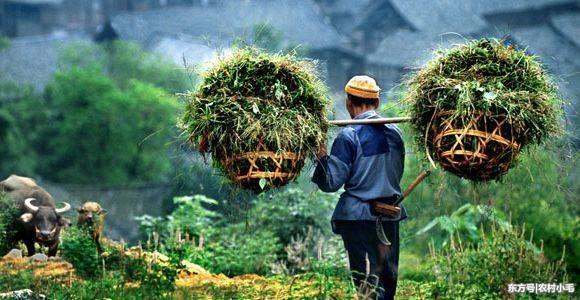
x,y
41,219
92,215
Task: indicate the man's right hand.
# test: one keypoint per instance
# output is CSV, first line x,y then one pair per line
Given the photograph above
x,y
321,151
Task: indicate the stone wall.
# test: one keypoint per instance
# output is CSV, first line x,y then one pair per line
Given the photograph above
x,y
123,204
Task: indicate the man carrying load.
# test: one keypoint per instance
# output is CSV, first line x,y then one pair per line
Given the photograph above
x,y
368,160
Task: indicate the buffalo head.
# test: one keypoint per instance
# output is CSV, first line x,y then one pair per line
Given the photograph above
x,y
46,220
89,213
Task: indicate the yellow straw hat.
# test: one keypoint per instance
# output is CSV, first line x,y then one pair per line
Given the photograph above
x,y
362,86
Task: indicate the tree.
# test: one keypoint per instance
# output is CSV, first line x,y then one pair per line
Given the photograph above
x,y
4,42
98,133
124,61
17,156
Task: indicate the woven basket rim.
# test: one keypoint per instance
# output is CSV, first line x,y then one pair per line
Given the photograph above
x,y
255,172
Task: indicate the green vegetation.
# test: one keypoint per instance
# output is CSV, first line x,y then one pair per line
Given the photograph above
x,y
9,223
462,270
190,233
4,42
273,210
484,271
127,94
17,130
232,113
112,146
309,266
540,193
537,194
78,248
464,223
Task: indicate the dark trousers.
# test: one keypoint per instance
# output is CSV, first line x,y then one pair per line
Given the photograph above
x,y
373,265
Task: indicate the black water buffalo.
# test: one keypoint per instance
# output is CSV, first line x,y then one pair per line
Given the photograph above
x,y
92,215
41,219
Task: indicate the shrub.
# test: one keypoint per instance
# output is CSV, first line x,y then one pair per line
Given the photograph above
x,y
231,250
290,212
79,249
192,217
19,280
465,223
313,252
484,271
9,224
154,278
189,233
149,225
235,251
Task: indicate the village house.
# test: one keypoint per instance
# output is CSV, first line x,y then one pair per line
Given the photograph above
x,y
36,17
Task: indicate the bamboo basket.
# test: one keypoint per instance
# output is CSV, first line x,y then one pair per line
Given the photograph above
x,y
274,169
480,149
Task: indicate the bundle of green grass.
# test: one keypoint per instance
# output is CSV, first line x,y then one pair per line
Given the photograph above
x,y
477,105
260,116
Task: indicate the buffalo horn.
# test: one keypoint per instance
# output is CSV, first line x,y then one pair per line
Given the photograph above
x,y
64,209
29,205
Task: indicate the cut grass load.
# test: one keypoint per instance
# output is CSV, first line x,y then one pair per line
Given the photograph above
x,y
259,115
474,107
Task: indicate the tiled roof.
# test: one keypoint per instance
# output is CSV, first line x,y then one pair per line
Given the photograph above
x,y
436,22
554,50
33,60
569,26
407,48
300,22
187,52
440,16
549,29
33,2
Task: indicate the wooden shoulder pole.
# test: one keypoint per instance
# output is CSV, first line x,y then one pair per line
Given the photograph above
x,y
414,184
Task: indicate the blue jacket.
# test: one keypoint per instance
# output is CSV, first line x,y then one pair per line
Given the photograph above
x,y
368,160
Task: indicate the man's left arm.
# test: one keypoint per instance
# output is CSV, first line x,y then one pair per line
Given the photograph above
x,y
333,170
